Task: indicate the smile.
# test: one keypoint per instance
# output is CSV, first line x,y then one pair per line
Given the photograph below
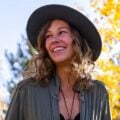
x,y
58,49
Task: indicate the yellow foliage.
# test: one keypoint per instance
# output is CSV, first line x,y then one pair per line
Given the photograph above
x,y
108,72
108,7
111,10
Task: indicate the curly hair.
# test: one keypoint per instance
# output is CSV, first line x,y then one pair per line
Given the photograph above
x,y
41,67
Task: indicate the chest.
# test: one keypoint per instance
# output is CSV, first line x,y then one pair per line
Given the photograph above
x,y
69,106
45,104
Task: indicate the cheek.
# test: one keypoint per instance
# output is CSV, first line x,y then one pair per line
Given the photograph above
x,y
72,47
47,45
71,43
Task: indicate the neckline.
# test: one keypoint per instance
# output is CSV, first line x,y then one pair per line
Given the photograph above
x,y
75,118
65,102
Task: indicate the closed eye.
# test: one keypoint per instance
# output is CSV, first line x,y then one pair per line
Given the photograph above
x,y
48,36
62,32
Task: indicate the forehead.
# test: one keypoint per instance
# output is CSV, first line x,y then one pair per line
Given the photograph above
x,y
57,23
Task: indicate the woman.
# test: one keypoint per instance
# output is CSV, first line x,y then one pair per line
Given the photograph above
x,y
58,83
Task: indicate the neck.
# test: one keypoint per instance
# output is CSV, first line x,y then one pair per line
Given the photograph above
x,y
63,72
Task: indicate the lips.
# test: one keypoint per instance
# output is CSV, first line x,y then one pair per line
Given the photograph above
x,y
56,49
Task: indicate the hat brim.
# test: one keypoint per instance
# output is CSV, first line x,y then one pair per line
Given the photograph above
x,y
49,12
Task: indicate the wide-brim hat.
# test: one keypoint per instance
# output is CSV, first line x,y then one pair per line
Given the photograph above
x,y
49,12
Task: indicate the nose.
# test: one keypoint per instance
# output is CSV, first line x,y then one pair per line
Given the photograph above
x,y
56,38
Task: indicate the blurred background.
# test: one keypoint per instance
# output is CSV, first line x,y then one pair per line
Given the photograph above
x,y
15,50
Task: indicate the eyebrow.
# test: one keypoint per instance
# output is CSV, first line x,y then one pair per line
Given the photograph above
x,y
64,27
59,29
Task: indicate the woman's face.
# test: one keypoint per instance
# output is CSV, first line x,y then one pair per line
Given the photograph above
x,y
59,42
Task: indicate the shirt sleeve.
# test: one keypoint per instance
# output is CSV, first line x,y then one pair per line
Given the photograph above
x,y
106,108
15,111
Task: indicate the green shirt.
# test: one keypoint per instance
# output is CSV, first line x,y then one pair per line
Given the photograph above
x,y
34,102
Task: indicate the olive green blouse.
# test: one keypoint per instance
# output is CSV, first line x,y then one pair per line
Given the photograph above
x,y
31,101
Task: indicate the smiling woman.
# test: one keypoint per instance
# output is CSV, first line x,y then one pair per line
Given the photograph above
x,y
58,85
59,42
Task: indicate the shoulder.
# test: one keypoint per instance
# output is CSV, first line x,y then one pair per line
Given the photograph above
x,y
23,86
26,83
99,83
99,87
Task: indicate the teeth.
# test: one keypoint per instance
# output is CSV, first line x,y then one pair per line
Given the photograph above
x,y
57,49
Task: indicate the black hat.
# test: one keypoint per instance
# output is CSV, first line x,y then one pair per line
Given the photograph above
x,y
49,12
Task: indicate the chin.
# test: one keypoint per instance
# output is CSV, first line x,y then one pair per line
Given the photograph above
x,y
58,61
61,61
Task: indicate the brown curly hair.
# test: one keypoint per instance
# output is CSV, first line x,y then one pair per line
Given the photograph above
x,y
41,67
